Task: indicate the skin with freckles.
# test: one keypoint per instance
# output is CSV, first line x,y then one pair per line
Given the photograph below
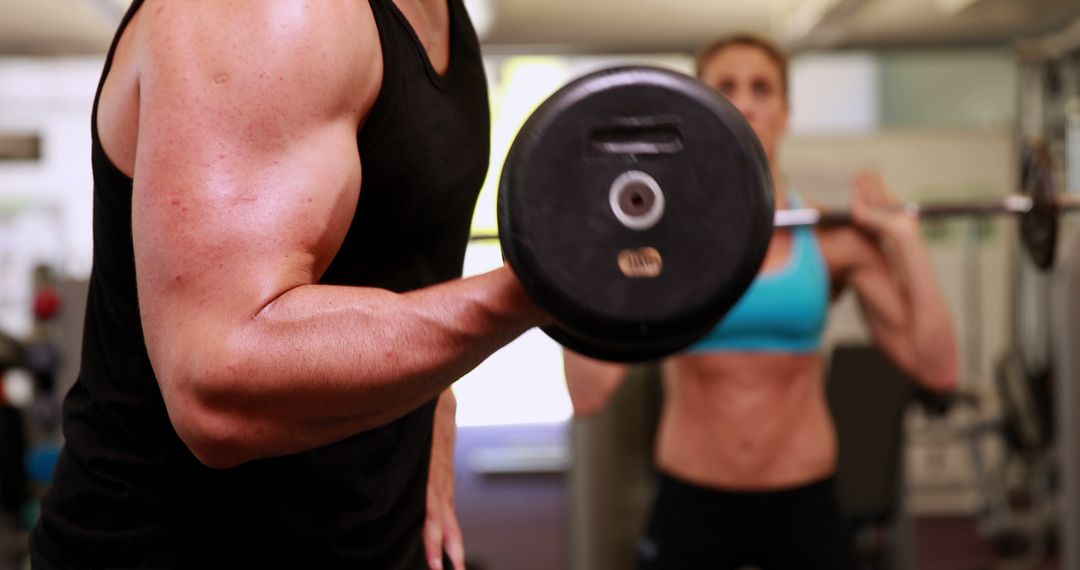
x,y
237,122
750,421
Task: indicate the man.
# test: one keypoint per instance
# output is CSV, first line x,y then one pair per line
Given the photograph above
x,y
283,192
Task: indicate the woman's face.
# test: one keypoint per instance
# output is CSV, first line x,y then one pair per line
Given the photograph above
x,y
752,81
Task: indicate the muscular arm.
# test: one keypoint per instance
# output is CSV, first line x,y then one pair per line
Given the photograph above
x,y
591,383
901,299
246,177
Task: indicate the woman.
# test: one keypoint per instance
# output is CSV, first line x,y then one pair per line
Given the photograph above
x,y
746,447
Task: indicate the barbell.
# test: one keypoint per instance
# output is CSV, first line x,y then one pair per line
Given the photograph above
x,y
1015,204
636,206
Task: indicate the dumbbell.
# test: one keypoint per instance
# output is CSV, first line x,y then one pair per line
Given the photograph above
x,y
636,207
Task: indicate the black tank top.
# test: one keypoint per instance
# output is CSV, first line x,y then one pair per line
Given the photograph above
x,y
128,493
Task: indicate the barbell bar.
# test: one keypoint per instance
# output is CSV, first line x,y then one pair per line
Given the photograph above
x,y
1015,204
1038,208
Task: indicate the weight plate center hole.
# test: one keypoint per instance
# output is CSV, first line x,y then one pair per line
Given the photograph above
x,y
637,200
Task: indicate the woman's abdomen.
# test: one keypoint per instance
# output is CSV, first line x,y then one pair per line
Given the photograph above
x,y
746,421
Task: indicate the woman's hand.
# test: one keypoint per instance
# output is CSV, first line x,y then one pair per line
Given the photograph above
x,y
875,209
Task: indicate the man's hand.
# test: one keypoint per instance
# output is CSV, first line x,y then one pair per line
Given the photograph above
x,y
441,530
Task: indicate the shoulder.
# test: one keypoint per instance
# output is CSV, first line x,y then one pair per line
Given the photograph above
x,y
330,27
326,50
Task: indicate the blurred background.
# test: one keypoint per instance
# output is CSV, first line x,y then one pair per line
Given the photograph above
x,y
940,96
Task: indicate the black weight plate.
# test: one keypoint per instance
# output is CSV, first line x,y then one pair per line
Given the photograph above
x,y
606,268
1039,225
624,351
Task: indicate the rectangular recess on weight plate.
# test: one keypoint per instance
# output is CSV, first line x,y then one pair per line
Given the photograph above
x,y
638,135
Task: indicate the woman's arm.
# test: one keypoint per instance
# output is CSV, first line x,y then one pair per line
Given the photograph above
x,y
591,383
891,272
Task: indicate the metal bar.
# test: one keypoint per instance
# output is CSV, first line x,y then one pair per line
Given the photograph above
x,y
1014,204
1065,347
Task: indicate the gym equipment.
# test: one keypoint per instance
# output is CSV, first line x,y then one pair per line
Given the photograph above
x,y
42,360
1039,206
46,303
636,206
611,194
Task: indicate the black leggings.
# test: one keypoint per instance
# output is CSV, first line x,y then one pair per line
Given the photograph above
x,y
694,527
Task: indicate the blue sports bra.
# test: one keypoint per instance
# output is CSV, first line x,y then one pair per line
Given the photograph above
x,y
784,310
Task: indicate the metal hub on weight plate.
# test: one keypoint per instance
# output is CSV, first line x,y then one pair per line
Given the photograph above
x,y
637,200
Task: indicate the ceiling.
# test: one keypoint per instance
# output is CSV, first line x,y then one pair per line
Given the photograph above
x,y
57,27
68,27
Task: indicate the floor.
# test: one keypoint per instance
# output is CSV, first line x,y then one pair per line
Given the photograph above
x,y
954,543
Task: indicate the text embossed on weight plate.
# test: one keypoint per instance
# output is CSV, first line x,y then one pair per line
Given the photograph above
x,y
644,262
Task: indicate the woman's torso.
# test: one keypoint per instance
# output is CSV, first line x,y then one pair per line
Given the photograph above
x,y
755,419
746,421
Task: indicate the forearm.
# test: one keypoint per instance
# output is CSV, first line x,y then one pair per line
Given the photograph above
x,y
930,327
591,383
442,534
321,363
444,433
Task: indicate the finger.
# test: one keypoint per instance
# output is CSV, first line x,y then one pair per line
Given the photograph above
x,y
864,190
871,179
860,181
455,546
880,192
859,200
859,197
877,196
871,187
433,543
882,189
864,181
